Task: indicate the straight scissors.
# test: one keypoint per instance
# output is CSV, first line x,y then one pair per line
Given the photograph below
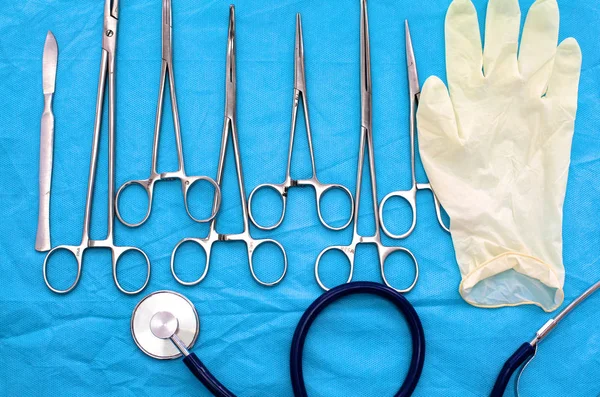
x,y
230,125
107,72
283,188
366,139
186,181
410,195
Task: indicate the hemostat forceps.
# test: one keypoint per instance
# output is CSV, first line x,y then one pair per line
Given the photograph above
x,y
410,195
366,139
230,125
283,188
107,72
180,174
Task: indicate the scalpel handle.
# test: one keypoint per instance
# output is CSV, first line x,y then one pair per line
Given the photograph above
x,y
515,361
42,240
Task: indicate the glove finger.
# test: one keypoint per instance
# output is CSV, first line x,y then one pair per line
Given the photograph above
x,y
502,37
464,55
564,81
538,45
436,121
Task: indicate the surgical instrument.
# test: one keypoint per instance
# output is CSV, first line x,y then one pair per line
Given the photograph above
x,y
165,325
366,139
230,128
50,59
524,354
283,188
410,195
186,181
107,77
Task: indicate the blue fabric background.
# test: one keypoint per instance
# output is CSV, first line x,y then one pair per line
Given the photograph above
x,y
80,344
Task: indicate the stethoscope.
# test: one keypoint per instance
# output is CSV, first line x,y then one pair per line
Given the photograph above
x,y
165,325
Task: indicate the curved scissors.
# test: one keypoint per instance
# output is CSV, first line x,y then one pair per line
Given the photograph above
x,y
186,181
107,72
366,139
410,195
283,188
230,125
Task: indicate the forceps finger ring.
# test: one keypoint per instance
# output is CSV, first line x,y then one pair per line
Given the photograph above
x,y
77,252
252,247
188,182
385,254
148,186
206,247
282,190
346,250
321,190
117,254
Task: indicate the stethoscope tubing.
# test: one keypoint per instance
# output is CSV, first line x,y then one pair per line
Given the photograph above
x,y
335,294
200,371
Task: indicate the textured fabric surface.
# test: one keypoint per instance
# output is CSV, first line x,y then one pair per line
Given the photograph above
x,y
80,344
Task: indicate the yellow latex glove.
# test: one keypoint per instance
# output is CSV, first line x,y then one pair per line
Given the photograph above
x,y
497,146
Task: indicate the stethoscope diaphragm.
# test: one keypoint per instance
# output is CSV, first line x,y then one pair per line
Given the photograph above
x,y
162,313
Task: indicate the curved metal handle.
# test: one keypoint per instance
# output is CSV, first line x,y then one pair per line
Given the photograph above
x,y
252,247
148,186
77,252
117,253
206,246
187,183
384,253
346,250
281,190
320,190
410,196
523,353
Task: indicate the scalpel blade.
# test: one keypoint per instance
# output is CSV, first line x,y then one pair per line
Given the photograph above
x,y
49,64
50,58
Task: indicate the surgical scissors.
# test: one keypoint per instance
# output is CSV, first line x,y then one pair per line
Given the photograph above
x,y
283,188
410,195
107,72
186,181
366,139
230,125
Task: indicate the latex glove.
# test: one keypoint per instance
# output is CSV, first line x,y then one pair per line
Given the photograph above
x,y
496,149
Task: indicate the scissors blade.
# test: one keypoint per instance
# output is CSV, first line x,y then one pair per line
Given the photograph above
x,y
365,68
50,60
231,79
299,71
411,63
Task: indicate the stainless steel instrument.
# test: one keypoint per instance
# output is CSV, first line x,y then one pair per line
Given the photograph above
x,y
107,77
186,181
282,189
50,59
366,142
230,129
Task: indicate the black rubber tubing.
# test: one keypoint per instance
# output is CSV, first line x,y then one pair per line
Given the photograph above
x,y
523,353
311,314
412,318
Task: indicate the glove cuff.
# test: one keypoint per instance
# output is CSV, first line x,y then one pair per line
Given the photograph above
x,y
513,279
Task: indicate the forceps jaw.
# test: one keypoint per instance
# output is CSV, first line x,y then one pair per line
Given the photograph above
x,y
299,68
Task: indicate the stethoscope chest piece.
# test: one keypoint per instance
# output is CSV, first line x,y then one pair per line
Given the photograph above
x,y
159,316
